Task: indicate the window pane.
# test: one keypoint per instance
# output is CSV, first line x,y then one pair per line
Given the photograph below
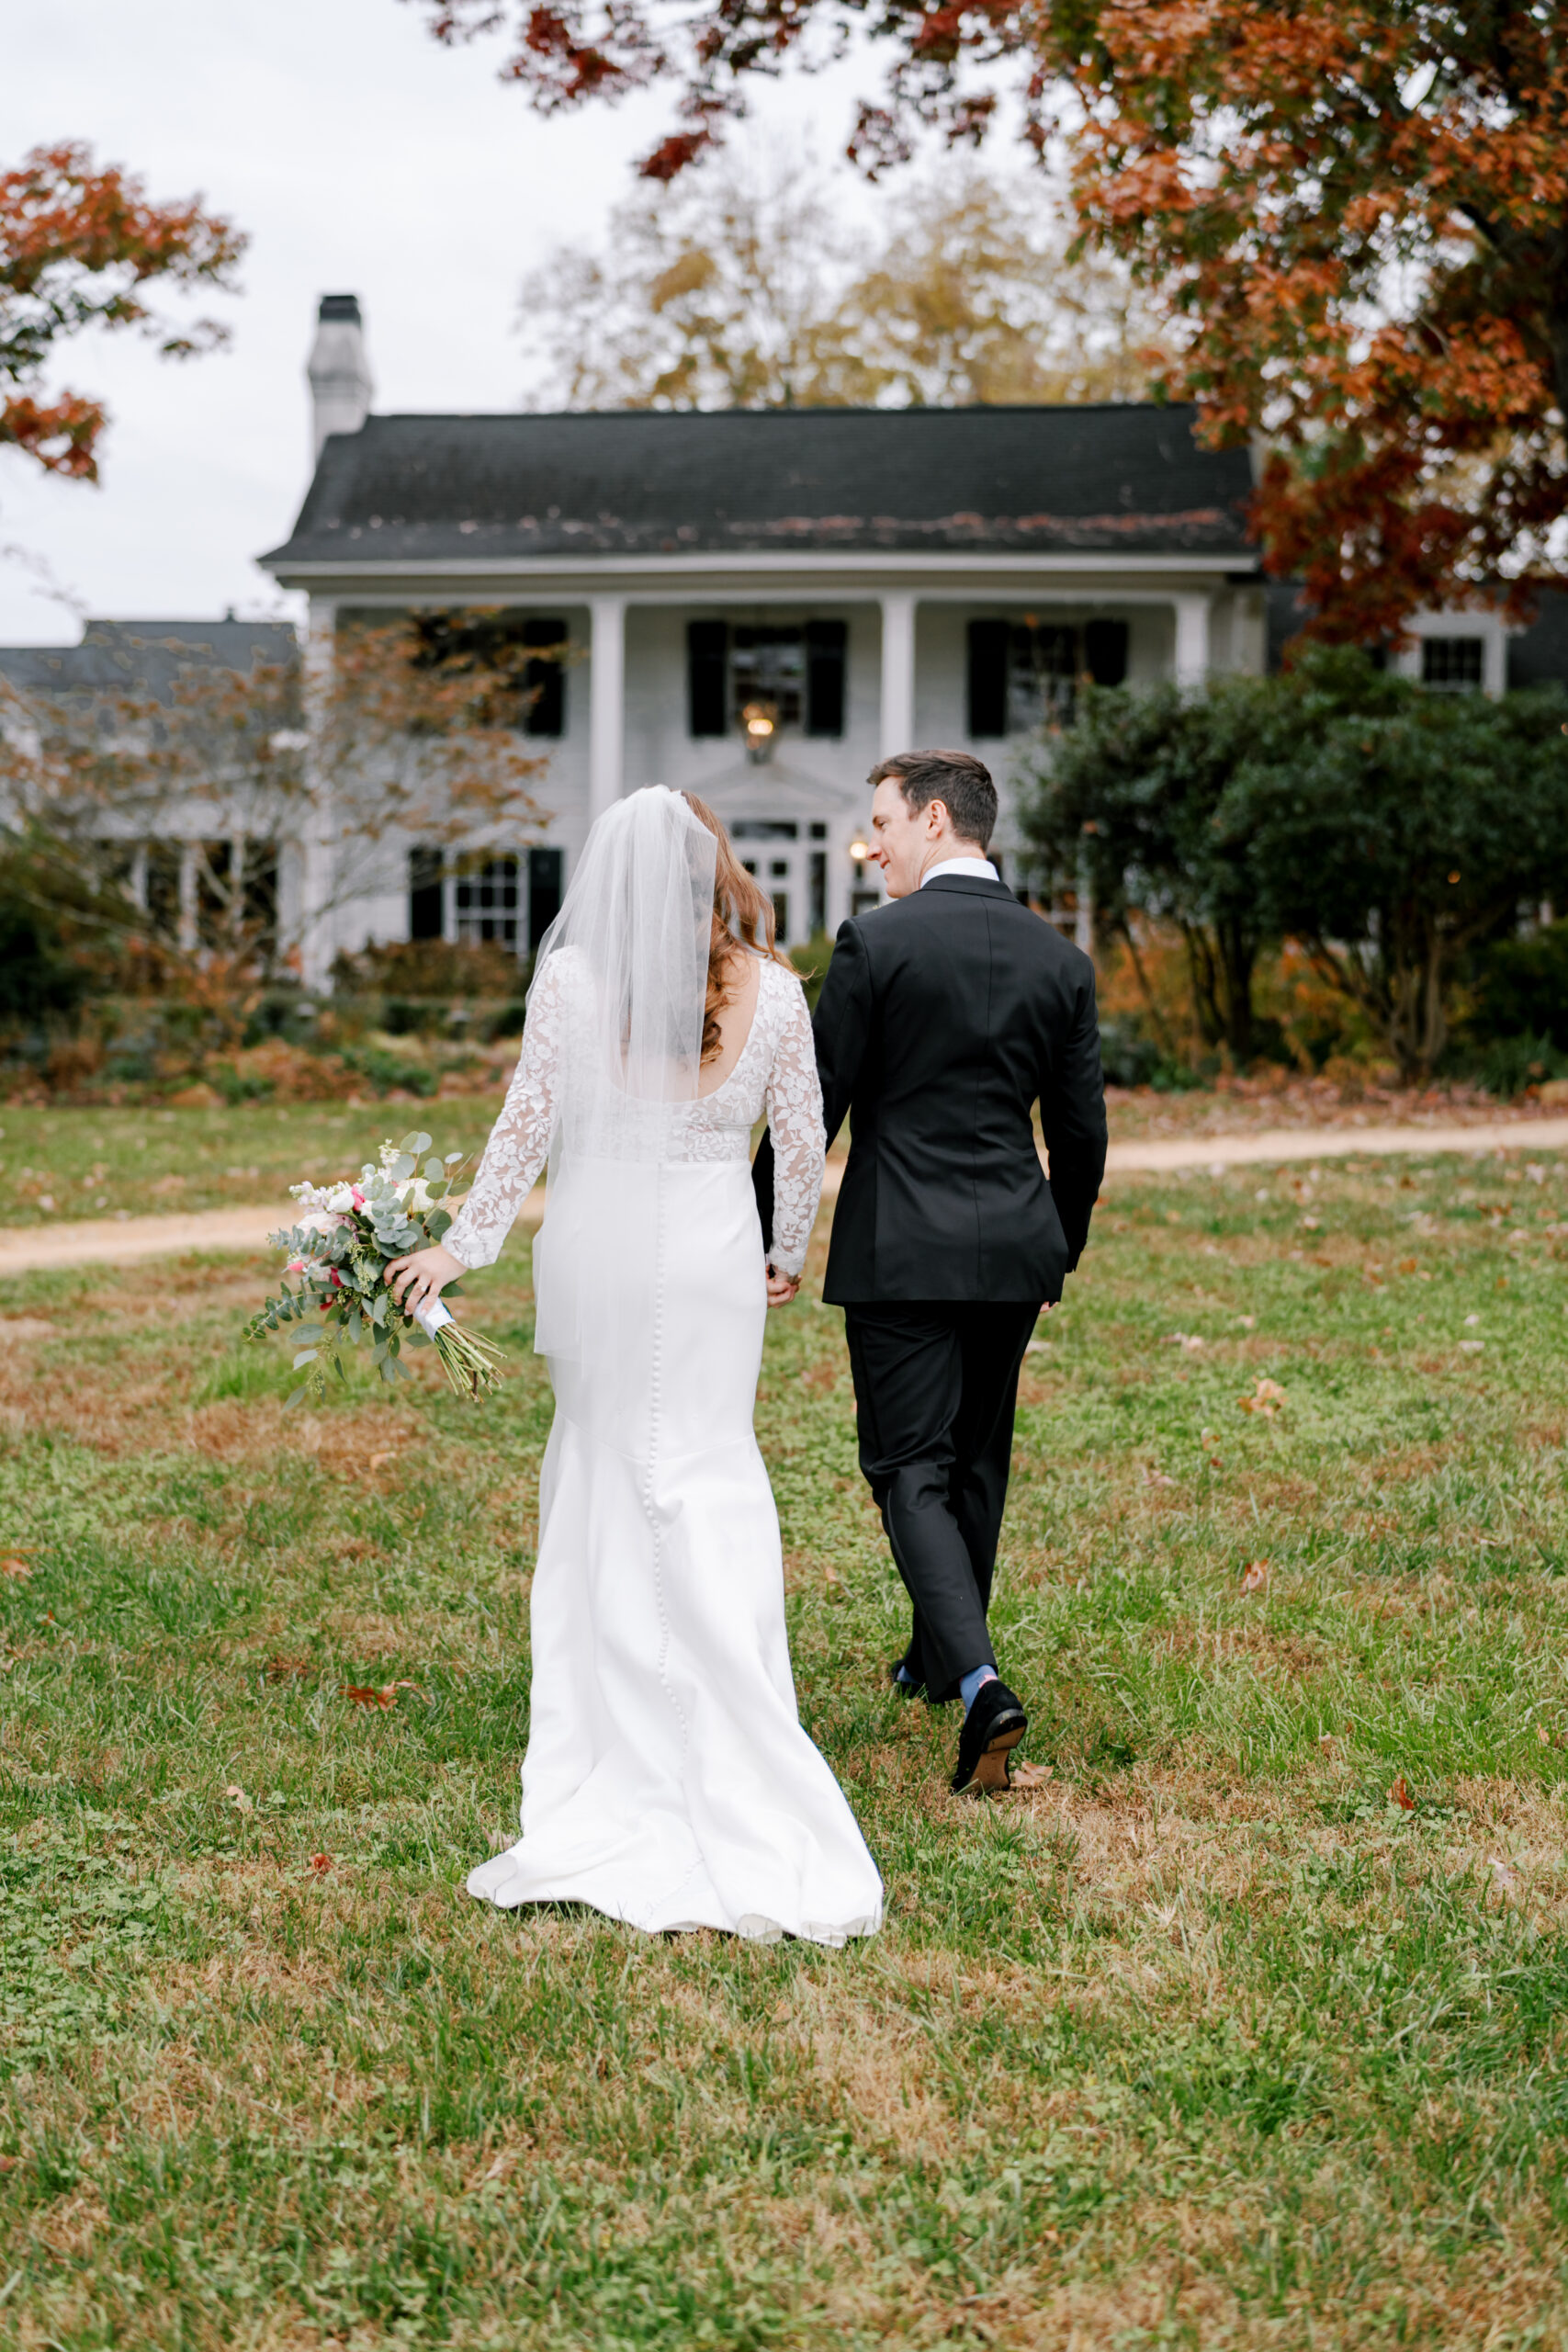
x,y
781,916
1455,665
487,900
767,666
1042,675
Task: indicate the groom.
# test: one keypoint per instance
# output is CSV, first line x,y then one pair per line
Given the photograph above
x,y
944,1017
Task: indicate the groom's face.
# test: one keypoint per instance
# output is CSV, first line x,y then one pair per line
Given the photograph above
x,y
902,842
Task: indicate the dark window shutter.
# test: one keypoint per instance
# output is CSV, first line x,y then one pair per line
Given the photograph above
x,y
825,677
544,679
1105,651
708,663
989,646
425,894
546,882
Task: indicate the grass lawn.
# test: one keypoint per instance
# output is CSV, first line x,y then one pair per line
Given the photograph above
x,y
58,1165
1203,2040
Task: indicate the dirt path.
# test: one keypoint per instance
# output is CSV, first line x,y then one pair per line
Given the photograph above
x,y
118,1241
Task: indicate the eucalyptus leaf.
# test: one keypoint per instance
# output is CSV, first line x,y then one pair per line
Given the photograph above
x,y
433,1171
305,1356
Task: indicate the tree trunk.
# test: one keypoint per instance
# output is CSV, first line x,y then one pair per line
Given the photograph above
x,y
1163,1038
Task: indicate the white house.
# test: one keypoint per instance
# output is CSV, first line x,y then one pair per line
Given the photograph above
x,y
758,604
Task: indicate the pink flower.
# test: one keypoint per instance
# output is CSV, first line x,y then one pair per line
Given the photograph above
x,y
294,1266
334,1278
356,1196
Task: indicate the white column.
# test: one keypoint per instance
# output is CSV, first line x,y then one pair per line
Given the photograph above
x,y
317,880
898,730
1192,612
188,931
606,703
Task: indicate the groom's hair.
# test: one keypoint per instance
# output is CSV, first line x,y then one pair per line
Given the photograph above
x,y
955,778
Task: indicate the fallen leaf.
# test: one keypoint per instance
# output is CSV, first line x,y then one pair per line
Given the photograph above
x,y
1400,1795
1503,1875
1327,1742
1266,1398
238,1799
365,1694
378,1460
288,1669
1544,1734
15,1567
1407,1265
830,1575
321,1864
1030,1776
1255,1576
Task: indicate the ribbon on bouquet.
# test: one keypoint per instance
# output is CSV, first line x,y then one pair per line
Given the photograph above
x,y
433,1317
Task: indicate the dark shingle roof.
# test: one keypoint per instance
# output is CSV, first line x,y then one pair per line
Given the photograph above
x,y
146,657
1050,480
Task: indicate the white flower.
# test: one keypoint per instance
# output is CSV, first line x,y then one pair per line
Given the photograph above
x,y
341,1198
415,1194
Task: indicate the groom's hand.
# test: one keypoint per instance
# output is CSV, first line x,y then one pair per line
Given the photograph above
x,y
782,1288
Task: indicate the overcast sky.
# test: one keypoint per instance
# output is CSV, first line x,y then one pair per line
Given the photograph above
x,y
362,158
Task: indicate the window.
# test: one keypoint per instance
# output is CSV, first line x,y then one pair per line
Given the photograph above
x,y
767,666
511,900
1453,665
1025,674
1042,672
764,828
514,658
486,903
794,672
818,890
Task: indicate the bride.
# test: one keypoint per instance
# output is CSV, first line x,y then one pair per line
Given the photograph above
x,y
667,1781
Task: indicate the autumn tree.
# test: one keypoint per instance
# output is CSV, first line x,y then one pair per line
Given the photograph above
x,y
81,247
415,732
745,287
1356,210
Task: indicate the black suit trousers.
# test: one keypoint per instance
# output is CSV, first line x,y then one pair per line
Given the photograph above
x,y
936,1387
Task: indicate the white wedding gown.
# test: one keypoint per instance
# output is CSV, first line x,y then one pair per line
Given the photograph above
x,y
667,1781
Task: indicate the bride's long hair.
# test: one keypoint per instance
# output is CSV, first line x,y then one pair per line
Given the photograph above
x,y
741,912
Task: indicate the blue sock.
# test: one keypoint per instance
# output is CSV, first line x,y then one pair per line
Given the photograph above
x,y
905,1677
970,1685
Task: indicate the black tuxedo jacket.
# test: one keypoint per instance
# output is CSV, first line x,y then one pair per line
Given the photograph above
x,y
944,1017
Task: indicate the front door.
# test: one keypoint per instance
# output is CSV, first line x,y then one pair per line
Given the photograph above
x,y
789,860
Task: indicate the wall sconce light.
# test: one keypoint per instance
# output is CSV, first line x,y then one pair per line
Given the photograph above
x,y
860,848
757,720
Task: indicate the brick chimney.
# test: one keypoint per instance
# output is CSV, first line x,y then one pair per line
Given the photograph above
x,y
339,370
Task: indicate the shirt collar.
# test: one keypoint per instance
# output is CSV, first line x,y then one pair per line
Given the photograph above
x,y
979,866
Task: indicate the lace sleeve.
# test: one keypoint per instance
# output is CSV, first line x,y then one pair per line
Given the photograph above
x,y
520,1139
794,1123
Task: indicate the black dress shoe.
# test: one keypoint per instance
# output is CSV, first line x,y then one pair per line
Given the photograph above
x,y
992,1728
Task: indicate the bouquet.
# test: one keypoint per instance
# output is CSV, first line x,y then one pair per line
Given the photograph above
x,y
340,1247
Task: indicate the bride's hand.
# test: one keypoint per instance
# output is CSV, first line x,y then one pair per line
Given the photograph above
x,y
418,1279
782,1288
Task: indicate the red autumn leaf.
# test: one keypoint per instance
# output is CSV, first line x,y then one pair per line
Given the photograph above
x,y
1255,1576
321,1864
1400,1795
366,1694
78,248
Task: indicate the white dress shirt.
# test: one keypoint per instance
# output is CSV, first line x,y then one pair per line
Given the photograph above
x,y
978,866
